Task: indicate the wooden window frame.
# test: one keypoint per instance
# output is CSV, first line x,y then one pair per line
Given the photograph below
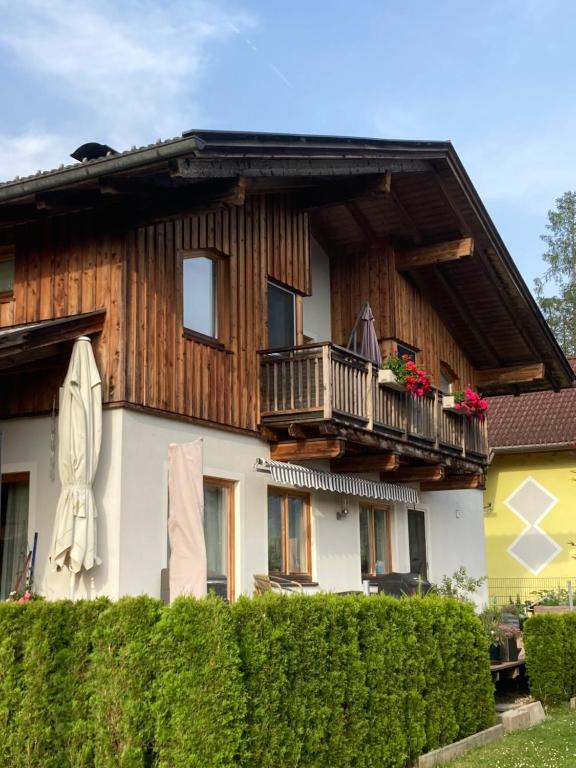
x,y
406,349
450,375
298,311
221,296
8,253
371,508
230,486
284,494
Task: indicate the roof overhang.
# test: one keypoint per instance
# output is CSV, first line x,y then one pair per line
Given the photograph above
x,y
196,168
23,344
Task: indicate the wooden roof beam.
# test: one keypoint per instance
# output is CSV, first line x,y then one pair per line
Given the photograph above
x,y
331,193
481,339
517,374
407,220
316,448
434,473
456,483
427,255
377,462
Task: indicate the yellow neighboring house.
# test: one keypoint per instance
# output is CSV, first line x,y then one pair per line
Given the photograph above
x,y
530,498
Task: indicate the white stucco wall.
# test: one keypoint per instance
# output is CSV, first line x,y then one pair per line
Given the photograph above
x,y
455,531
26,448
132,499
317,321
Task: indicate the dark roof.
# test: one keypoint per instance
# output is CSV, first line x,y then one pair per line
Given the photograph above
x,y
482,299
35,341
533,421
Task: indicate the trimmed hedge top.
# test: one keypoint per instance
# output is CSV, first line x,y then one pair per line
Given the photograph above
x,y
269,682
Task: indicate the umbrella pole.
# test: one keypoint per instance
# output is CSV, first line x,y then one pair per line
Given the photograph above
x,y
72,585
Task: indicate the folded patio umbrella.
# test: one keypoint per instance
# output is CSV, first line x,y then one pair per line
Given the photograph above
x,y
369,348
79,437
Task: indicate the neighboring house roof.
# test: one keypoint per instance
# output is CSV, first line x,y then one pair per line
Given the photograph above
x,y
482,299
534,421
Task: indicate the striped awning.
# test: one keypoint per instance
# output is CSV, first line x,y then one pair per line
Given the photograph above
x,y
349,485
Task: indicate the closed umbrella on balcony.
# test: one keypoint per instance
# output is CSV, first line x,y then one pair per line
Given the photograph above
x,y
79,433
369,347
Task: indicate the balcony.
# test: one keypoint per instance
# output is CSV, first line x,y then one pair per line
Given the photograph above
x,y
323,384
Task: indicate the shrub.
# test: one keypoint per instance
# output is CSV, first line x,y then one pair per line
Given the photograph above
x,y
549,642
296,682
199,698
121,680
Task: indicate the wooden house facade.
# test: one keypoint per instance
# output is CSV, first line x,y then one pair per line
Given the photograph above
x,y
220,277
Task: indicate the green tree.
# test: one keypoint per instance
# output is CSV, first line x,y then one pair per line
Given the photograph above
x,y
560,308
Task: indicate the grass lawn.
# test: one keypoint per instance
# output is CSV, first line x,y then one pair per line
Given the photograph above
x,y
549,745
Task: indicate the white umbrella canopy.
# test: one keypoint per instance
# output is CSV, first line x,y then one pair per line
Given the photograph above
x,y
79,435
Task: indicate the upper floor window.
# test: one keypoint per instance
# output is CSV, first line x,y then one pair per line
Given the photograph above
x,y
281,317
447,379
7,265
404,349
206,296
200,291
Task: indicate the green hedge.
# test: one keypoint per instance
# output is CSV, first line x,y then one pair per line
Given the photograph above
x,y
550,647
296,682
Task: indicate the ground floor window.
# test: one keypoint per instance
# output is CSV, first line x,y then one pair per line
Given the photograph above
x,y
289,533
219,535
417,542
375,551
14,498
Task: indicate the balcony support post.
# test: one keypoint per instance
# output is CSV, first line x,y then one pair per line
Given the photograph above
x,y
327,381
370,398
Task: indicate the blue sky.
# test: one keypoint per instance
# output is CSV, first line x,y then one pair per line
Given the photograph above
x,y
496,77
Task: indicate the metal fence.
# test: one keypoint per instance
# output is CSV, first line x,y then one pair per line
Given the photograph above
x,y
505,591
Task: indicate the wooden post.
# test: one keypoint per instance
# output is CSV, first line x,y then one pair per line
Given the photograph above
x,y
437,406
369,395
407,406
326,381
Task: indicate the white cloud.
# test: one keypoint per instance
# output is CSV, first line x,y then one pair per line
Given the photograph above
x,y
128,69
30,152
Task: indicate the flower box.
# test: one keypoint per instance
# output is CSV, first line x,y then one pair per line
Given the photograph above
x,y
449,404
387,378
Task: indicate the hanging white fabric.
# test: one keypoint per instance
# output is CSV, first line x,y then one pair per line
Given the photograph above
x,y
188,566
303,477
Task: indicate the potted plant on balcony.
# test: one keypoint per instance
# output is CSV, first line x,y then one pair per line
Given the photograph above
x,y
467,403
402,374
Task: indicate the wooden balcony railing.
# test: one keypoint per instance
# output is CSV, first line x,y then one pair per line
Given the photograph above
x,y
324,382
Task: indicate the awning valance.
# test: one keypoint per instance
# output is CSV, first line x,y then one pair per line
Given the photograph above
x,y
349,485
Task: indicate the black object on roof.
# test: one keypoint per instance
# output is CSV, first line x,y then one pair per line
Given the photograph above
x,y
92,151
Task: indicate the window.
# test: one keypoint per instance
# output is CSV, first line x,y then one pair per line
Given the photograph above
x,y
288,534
417,542
219,535
200,295
375,555
402,349
447,378
13,531
281,317
7,266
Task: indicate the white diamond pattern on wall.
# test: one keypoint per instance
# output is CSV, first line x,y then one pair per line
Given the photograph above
x,y
533,548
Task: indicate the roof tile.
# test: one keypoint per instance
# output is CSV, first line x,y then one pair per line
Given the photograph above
x,y
535,419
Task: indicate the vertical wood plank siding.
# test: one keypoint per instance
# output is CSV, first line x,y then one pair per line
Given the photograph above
x,y
400,310
64,266
168,371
